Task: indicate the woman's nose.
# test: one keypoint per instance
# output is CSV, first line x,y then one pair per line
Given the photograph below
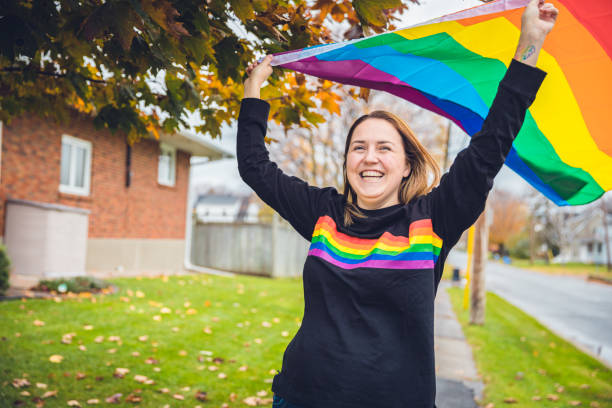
x,y
371,156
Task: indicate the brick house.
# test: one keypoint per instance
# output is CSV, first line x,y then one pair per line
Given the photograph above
x,y
75,200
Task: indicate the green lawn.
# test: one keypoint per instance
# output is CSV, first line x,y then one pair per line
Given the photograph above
x,y
577,269
222,336
519,359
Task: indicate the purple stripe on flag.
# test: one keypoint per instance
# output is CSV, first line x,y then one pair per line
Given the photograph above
x,y
360,73
373,263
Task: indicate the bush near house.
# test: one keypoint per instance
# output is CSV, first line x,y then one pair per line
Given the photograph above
x,y
5,264
75,285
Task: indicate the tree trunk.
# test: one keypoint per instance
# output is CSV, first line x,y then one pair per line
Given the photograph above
x,y
481,243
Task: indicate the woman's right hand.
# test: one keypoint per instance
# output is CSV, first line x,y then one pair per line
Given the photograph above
x,y
258,73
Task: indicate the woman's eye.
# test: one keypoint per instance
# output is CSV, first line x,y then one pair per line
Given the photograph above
x,y
385,148
358,148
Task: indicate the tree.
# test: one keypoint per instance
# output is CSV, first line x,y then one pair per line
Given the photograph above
x,y
142,65
510,216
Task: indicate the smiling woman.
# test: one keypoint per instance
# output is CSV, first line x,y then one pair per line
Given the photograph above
x,y
377,251
381,153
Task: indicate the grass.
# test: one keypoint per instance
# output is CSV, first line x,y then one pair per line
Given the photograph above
x,y
520,359
250,322
576,269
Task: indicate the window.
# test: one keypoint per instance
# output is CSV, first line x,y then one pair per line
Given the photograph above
x,y
75,166
167,165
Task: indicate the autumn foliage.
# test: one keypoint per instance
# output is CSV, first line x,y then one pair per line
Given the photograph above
x,y
142,65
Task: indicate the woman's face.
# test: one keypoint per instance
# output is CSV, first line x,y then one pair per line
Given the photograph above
x,y
376,163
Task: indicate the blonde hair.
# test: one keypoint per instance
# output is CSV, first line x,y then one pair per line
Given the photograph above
x,y
422,164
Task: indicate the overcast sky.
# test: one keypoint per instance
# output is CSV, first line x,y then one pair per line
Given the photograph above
x,y
224,173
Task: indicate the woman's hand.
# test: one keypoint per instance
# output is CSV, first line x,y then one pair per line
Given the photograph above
x,y
537,21
258,72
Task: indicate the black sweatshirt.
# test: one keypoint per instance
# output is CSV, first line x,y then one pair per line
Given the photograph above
x,y
366,338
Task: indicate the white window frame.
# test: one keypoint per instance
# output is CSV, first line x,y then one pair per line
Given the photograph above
x,y
71,188
166,148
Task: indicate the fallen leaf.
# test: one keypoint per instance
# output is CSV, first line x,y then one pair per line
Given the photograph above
x,y
536,398
151,360
182,353
143,338
276,320
111,351
207,330
99,339
120,372
93,401
575,403
233,396
80,376
560,389
178,397
201,395
164,390
49,394
25,393
135,353
175,329
88,327
56,358
242,368
258,341
266,324
39,323
157,318
133,398
73,403
140,294
552,397
213,368
165,310
140,378
114,338
20,382
262,393
82,348
191,311
114,399
510,400
284,333
584,386
222,375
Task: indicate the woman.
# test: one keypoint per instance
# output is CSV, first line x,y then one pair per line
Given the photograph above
x,y
378,250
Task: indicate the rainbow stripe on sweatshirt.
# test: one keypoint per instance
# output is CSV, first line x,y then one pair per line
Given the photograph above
x,y
419,250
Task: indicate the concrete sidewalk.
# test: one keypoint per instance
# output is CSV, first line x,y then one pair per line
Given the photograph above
x,y
458,383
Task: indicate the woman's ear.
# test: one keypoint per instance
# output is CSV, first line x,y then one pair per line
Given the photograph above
x,y
407,170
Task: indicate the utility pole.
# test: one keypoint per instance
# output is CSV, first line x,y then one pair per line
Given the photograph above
x,y
478,290
606,236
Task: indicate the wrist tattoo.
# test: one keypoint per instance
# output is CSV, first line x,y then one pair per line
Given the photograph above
x,y
528,52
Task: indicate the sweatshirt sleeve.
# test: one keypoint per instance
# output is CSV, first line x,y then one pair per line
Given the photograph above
x,y
295,201
460,198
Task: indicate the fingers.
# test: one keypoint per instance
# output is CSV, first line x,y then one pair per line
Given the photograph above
x,y
267,60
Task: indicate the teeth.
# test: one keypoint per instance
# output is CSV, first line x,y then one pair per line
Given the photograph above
x,y
371,173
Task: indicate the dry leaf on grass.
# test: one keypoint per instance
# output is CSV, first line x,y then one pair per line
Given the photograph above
x,y
49,394
56,358
38,323
73,403
114,399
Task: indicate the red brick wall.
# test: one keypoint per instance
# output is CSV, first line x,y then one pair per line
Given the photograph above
x,y
31,155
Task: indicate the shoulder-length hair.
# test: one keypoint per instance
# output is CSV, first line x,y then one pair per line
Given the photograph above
x,y
422,165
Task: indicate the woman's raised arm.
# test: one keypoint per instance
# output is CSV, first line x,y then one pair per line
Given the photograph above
x,y
460,198
292,198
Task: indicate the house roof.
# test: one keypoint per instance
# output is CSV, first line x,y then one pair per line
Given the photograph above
x,y
195,144
224,199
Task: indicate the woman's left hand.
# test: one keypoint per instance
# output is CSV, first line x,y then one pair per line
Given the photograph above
x,y
538,19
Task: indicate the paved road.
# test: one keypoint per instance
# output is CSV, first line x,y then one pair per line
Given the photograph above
x,y
574,308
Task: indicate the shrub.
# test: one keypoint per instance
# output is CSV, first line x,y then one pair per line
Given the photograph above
x,y
520,249
75,285
5,264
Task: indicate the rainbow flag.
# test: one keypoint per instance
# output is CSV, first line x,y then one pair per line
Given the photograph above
x,y
453,65
420,250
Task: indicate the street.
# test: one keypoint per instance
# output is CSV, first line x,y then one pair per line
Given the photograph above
x,y
578,310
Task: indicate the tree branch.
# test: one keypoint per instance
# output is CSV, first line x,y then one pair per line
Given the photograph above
x,y
53,74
